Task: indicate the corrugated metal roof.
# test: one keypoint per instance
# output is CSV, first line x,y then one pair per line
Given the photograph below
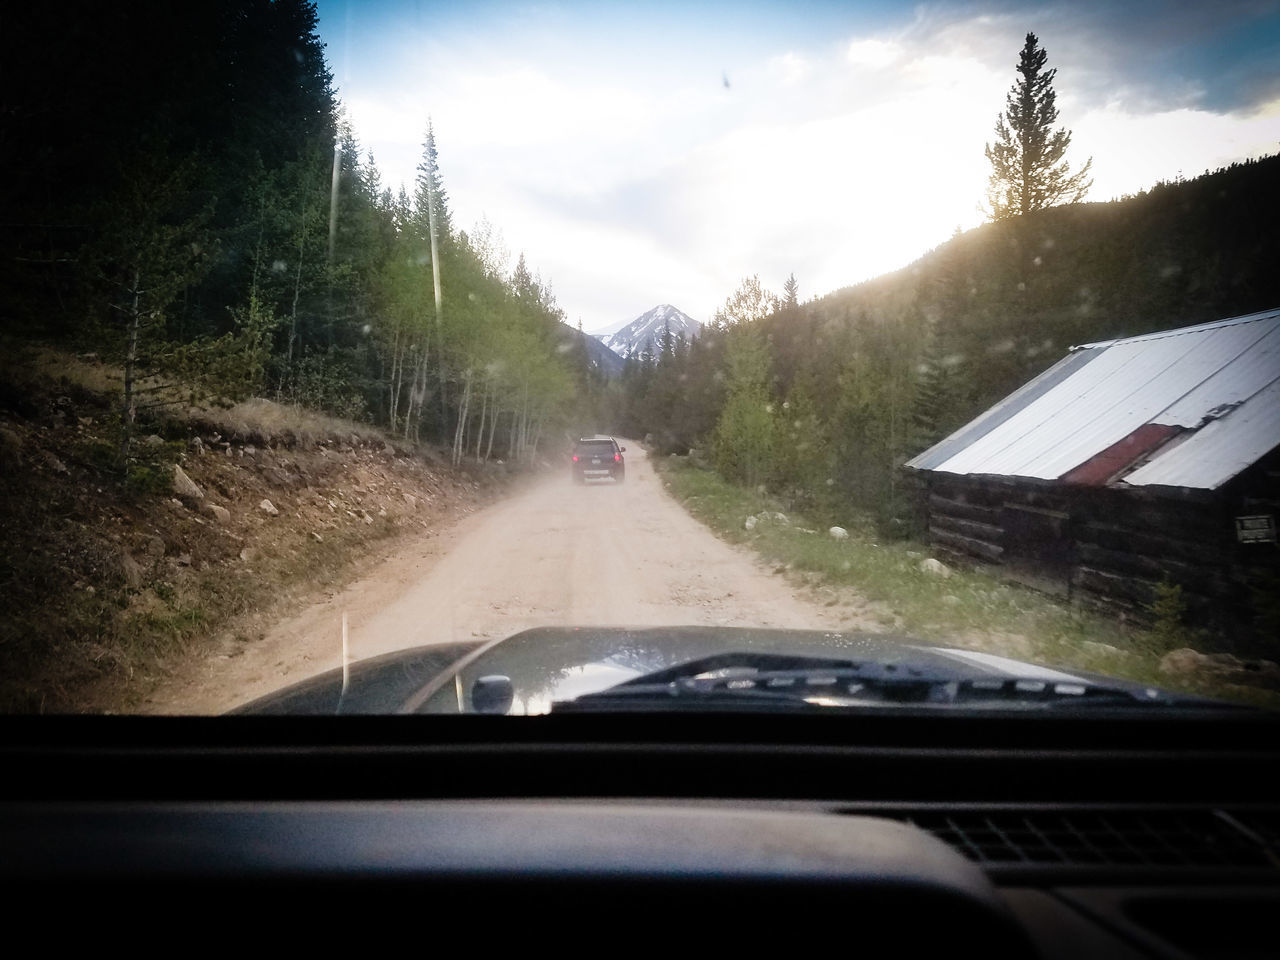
x,y
1213,374
1214,454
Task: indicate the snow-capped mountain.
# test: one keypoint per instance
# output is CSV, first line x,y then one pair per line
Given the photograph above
x,y
644,333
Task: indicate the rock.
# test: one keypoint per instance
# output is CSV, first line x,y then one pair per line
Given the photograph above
x,y
153,441
1183,661
364,514
935,568
410,500
221,514
197,446
838,533
131,570
249,450
10,438
749,523
248,554
269,508
316,537
388,449
56,465
184,559
1221,666
951,600
153,548
779,517
184,486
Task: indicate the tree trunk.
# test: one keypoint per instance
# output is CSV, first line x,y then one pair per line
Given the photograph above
x,y
460,432
130,362
297,291
493,428
484,409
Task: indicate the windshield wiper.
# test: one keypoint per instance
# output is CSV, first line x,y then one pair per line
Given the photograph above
x,y
746,681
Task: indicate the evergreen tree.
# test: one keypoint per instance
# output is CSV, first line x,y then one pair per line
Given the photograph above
x,y
791,293
1028,171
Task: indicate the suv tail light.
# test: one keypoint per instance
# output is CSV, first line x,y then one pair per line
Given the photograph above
x,y
575,458
617,458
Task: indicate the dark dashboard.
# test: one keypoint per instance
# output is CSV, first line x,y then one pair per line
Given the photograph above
x,y
1100,836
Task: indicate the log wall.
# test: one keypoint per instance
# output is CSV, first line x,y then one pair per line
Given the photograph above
x,y
1111,547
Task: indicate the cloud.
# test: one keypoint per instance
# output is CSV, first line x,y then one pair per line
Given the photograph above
x,y
630,175
872,52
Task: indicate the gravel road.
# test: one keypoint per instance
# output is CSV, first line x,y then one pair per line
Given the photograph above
x,y
555,553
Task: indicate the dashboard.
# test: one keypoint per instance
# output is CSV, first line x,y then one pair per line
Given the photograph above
x,y
1026,836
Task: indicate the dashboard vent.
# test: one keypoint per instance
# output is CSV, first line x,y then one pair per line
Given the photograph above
x,y
1196,838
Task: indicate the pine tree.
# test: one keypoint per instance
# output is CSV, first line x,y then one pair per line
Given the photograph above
x,y
791,292
1027,167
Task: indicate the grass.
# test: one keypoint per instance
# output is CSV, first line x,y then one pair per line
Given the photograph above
x,y
266,418
969,609
255,417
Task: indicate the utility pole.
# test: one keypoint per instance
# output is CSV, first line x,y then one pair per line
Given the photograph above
x,y
333,224
435,278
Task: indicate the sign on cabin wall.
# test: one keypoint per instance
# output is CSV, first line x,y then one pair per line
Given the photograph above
x,y
1256,529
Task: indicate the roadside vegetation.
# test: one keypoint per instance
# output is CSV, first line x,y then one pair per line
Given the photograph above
x,y
905,590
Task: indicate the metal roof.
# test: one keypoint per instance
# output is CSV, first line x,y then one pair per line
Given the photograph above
x,y
1219,383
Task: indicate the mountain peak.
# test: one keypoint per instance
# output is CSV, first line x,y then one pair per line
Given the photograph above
x,y
644,333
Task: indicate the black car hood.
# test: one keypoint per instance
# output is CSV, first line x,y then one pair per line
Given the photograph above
x,y
560,663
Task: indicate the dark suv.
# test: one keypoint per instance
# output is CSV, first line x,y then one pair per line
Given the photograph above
x,y
595,458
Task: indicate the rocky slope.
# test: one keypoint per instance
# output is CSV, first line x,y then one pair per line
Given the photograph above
x,y
108,581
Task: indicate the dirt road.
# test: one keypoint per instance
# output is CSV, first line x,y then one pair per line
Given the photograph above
x,y
554,554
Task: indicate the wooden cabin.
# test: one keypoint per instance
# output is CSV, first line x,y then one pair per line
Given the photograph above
x,y
1130,463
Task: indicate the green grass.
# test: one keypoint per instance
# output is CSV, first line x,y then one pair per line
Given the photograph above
x,y
970,609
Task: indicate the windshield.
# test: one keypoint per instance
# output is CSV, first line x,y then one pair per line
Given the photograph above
x,y
494,357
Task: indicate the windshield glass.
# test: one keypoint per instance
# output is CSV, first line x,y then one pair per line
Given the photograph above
x,y
486,357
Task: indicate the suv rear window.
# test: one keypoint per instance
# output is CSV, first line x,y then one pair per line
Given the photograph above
x,y
595,447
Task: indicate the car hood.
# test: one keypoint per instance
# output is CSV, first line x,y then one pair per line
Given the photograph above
x,y
560,663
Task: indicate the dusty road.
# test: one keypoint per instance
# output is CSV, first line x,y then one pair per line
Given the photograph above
x,y
554,554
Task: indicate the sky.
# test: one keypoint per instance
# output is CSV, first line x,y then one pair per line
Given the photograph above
x,y
653,153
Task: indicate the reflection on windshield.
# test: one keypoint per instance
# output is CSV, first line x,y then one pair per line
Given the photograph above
x,y
575,681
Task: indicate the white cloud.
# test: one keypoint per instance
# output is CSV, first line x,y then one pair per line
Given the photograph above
x,y
1134,151
790,68
872,52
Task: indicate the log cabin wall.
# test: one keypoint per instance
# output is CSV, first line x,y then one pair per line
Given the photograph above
x,y
1110,547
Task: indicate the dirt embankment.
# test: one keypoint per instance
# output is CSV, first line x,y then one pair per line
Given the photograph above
x,y
112,582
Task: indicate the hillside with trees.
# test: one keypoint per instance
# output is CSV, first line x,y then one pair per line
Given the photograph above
x,y
823,401
183,198
232,361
